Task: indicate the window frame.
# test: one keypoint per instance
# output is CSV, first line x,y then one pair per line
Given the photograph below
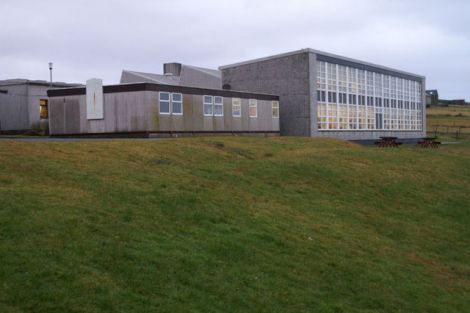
x,y
272,109
172,101
160,103
252,103
204,103
239,107
221,104
43,103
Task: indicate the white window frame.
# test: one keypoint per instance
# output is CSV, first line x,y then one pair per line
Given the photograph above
x,y
160,102
173,101
204,103
221,104
239,105
273,105
252,103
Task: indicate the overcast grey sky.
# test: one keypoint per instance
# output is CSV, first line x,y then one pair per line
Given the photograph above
x,y
95,38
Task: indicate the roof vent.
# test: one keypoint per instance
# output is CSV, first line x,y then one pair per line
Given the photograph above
x,y
172,69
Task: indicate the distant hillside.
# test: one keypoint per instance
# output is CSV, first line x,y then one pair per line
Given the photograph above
x,y
233,225
452,120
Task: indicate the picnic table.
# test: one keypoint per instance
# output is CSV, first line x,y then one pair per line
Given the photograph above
x,y
428,142
388,142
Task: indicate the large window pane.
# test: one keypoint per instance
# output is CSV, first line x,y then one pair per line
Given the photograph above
x,y
208,106
164,103
236,107
218,106
176,103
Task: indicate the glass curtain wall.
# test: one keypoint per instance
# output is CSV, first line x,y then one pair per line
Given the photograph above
x,y
354,99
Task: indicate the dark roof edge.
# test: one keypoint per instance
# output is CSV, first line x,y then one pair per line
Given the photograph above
x,y
161,87
376,67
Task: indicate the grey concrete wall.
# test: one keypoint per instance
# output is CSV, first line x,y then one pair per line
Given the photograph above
x,y
127,112
287,77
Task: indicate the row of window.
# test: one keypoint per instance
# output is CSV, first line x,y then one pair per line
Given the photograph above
x,y
343,98
349,99
341,79
344,117
172,103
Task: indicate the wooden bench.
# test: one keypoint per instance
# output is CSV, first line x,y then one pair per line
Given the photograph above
x,y
388,142
428,142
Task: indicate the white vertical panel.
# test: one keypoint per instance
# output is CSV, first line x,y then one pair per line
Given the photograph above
x,y
94,99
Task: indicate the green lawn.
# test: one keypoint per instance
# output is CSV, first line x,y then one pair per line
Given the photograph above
x,y
233,225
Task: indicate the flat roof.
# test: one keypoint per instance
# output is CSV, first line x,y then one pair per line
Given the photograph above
x,y
333,58
162,87
23,81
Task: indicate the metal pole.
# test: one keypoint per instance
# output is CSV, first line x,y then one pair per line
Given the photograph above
x,y
50,70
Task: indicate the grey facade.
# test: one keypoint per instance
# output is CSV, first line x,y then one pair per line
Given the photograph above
x,y
137,109
20,103
177,74
312,107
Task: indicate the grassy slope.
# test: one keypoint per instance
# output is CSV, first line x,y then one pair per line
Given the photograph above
x,y
233,225
447,120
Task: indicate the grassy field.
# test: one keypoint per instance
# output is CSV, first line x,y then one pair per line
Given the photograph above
x,y
233,225
453,121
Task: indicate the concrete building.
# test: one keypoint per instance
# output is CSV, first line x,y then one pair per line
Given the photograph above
x,y
326,95
148,109
177,74
432,97
24,104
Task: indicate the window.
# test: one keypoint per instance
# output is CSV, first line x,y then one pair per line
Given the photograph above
x,y
332,79
378,101
236,107
164,103
218,106
321,96
253,108
208,105
321,76
331,97
177,103
43,109
362,100
275,109
350,98
378,121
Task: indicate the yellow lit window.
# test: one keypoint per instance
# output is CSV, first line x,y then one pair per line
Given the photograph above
x,y
43,109
275,109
